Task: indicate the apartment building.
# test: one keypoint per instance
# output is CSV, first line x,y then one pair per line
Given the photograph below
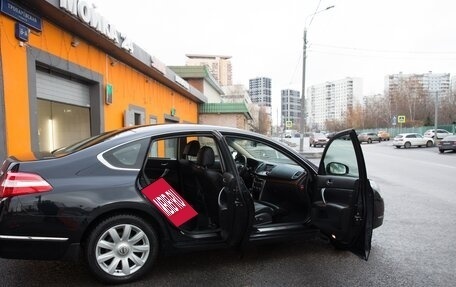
x,y
331,100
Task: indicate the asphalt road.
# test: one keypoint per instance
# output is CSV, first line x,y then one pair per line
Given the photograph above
x,y
414,247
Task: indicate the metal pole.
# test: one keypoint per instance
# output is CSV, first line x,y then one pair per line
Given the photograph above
x,y
436,116
303,98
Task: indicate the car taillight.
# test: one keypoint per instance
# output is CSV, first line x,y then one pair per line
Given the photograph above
x,y
20,183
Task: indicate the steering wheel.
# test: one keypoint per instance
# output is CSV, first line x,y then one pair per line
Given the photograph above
x,y
241,163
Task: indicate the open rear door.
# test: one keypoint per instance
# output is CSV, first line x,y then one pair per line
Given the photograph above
x,y
342,201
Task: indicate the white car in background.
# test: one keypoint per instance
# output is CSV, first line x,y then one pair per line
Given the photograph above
x,y
408,140
441,133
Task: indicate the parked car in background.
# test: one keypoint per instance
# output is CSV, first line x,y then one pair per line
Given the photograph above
x,y
318,139
330,135
383,135
368,138
448,143
288,134
441,133
408,140
119,199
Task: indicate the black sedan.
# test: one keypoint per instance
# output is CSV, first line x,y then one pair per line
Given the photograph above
x,y
448,143
120,198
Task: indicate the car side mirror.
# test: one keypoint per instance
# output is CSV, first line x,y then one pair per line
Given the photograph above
x,y
337,168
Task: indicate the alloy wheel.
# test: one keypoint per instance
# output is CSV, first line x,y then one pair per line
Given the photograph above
x,y
122,250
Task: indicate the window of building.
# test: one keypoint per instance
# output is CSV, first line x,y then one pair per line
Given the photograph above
x,y
61,124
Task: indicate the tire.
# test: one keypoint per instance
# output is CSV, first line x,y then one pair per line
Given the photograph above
x,y
398,146
441,150
369,141
429,144
407,145
109,243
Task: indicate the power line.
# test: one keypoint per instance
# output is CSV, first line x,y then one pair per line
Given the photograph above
x,y
383,51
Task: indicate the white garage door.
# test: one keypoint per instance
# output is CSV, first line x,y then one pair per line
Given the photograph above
x,y
59,89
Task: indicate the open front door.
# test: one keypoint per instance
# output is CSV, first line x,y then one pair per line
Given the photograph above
x,y
342,201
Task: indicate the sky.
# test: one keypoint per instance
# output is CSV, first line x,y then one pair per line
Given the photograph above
x,y
368,39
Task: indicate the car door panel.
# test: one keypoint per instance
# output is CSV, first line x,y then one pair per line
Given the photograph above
x,y
332,205
342,199
163,168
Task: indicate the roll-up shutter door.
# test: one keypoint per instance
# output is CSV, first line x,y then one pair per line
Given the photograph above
x,y
59,89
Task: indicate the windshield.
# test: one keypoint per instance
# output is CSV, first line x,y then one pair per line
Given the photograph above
x,y
258,151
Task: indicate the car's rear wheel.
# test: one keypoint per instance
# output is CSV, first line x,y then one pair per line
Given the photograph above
x,y
429,144
441,150
121,249
407,145
369,141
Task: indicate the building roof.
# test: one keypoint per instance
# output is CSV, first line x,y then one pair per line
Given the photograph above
x,y
225,108
206,56
197,72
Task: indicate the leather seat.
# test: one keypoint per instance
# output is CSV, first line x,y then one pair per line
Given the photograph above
x,y
211,182
188,182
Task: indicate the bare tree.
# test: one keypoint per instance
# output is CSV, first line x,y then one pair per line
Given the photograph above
x,y
447,109
264,121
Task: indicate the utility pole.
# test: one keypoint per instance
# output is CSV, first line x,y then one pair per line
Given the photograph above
x,y
302,123
303,88
436,116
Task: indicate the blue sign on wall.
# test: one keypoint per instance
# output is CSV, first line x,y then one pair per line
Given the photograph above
x,y
20,14
21,32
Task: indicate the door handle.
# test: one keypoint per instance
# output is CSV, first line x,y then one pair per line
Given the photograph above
x,y
323,195
329,182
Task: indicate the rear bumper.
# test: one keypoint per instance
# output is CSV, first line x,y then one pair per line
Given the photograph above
x,y
447,147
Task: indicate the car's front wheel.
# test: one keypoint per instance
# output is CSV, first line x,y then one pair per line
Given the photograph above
x,y
121,249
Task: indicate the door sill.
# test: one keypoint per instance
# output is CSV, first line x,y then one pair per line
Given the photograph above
x,y
201,234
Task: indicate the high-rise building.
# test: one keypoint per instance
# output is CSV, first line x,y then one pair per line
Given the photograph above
x,y
260,91
430,83
332,100
291,107
219,66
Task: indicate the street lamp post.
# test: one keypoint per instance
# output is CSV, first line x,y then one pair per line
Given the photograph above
x,y
303,88
436,116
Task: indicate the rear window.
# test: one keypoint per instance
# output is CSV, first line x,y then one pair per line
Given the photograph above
x,y
127,156
87,143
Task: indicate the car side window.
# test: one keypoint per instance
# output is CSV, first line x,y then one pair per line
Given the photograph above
x,y
128,156
164,149
342,152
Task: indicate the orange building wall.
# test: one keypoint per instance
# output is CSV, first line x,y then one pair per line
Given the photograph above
x,y
129,86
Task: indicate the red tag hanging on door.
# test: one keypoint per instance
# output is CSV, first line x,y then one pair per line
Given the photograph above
x,y
169,202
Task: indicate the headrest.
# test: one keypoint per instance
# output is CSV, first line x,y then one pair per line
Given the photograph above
x,y
206,156
191,148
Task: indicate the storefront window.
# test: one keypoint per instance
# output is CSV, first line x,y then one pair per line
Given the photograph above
x,y
61,124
